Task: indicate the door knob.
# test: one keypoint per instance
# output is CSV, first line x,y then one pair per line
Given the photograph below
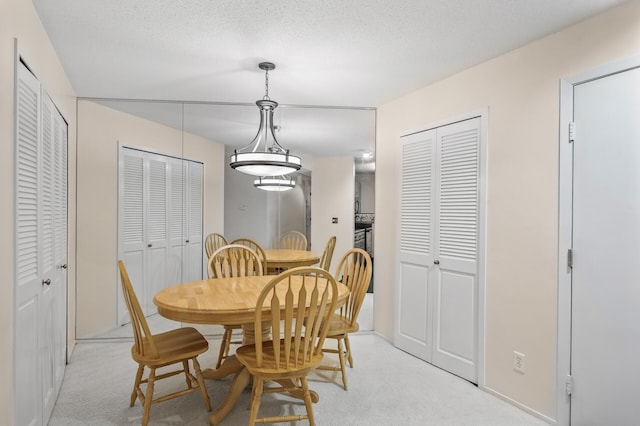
x,y
46,282
149,245
436,262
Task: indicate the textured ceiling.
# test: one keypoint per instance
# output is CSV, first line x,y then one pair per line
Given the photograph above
x,y
356,53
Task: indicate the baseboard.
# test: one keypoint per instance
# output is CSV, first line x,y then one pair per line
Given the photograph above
x,y
519,405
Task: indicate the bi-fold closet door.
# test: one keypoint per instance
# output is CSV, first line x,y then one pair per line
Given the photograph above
x,y
41,250
437,292
159,223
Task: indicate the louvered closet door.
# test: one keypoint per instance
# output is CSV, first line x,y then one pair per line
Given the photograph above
x,y
156,224
48,295
60,245
185,220
41,234
28,286
195,250
131,232
160,223
455,308
416,244
438,254
177,220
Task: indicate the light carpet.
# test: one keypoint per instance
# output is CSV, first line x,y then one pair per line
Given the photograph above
x,y
386,387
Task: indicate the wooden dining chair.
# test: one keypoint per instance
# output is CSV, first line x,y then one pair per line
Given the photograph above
x,y
298,336
292,240
178,346
233,260
325,260
213,242
354,271
255,247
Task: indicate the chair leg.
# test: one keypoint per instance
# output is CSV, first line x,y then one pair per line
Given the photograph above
x,y
148,396
258,385
224,346
342,362
349,357
307,400
136,385
185,368
203,388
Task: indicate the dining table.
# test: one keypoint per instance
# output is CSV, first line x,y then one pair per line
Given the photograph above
x,y
287,258
225,301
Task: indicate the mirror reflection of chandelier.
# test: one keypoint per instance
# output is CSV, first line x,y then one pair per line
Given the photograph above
x,y
264,156
275,183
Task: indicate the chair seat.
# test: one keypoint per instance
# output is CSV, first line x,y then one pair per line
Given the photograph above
x,y
339,325
172,346
247,356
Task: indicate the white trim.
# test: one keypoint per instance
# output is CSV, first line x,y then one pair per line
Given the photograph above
x,y
565,214
483,114
520,406
482,241
480,112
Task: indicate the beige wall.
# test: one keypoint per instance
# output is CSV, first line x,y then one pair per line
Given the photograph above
x,y
521,91
18,19
332,189
100,131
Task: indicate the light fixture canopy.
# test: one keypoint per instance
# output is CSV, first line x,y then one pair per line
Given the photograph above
x,y
274,183
264,156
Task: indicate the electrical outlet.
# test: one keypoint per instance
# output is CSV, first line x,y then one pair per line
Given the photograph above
x,y
518,362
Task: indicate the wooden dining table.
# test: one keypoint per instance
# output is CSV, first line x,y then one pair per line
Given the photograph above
x,y
224,301
286,258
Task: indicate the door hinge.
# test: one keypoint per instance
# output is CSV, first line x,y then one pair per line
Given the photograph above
x,y
572,132
570,258
568,385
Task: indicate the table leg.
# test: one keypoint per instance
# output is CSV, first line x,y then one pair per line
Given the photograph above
x,y
249,333
230,366
240,381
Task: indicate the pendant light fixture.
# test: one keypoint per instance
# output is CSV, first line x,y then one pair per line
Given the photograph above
x,y
275,183
264,156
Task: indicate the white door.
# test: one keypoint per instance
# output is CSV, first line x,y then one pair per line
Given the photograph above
x,y
159,223
177,220
40,221
195,247
47,265
131,226
456,257
28,286
605,343
186,258
60,246
156,190
416,252
437,291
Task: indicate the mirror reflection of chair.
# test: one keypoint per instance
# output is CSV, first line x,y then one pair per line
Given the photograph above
x,y
255,247
177,346
295,349
325,260
291,240
354,271
233,260
213,242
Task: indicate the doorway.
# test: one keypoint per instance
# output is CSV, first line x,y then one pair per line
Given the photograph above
x,y
599,298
